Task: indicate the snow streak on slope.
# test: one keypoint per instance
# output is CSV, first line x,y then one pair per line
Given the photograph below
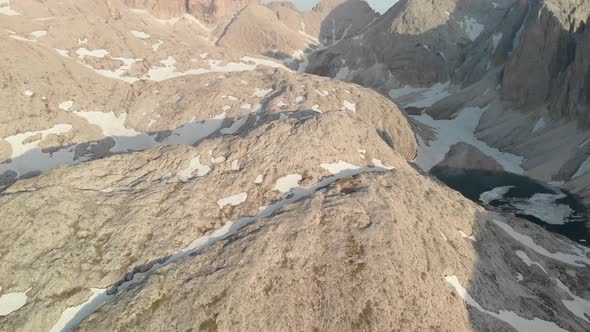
x,y
71,317
29,157
527,241
521,324
460,129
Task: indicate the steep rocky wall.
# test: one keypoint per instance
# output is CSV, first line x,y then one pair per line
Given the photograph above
x,y
551,64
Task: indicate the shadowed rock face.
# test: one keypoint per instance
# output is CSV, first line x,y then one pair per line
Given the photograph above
x,y
553,54
462,156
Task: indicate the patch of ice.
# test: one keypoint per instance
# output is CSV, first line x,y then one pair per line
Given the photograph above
x,y
350,106
544,207
520,324
527,241
11,302
84,52
194,165
140,34
471,27
337,167
286,183
494,194
72,316
233,200
460,129
66,105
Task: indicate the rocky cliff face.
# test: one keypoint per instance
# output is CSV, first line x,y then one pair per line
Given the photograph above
x,y
427,43
552,52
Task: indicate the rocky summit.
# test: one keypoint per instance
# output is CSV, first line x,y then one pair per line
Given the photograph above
x,y
244,165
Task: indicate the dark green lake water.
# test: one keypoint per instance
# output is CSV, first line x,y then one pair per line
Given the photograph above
x,y
545,205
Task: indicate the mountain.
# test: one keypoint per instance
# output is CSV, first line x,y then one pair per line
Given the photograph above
x,y
189,166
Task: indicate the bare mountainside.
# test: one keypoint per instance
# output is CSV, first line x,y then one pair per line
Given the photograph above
x,y
162,168
521,65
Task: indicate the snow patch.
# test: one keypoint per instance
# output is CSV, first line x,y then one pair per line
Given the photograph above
x,y
233,200
140,34
545,208
286,183
194,165
527,241
350,106
520,324
6,10
471,27
72,316
66,105
338,167
494,194
11,302
260,93
460,129
259,179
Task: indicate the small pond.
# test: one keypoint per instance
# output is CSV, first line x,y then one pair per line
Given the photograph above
x,y
542,203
